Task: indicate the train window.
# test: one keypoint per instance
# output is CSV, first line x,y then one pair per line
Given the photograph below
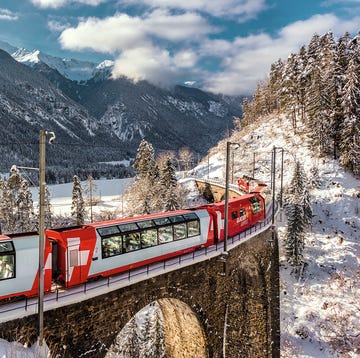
x,y
128,227
234,215
242,212
162,221
177,219
180,231
145,224
193,228
7,266
255,205
132,241
7,246
190,216
110,230
73,257
165,234
148,238
111,246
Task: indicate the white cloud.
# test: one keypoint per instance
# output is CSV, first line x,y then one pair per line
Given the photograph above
x,y
222,8
110,35
58,26
247,60
8,15
173,27
185,59
146,63
121,31
59,3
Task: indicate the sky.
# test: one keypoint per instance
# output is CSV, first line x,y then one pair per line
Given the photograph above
x,y
222,46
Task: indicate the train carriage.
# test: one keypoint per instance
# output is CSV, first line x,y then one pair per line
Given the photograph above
x,y
107,248
73,255
243,212
19,265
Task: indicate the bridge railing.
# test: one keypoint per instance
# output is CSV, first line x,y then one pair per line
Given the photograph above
x,y
61,297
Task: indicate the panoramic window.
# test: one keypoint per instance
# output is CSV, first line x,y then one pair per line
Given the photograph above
x,y
132,241
165,234
193,228
148,238
111,246
7,260
180,231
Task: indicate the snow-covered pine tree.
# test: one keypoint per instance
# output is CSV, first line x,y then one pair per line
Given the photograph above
x,y
350,133
331,84
144,195
145,164
275,84
89,191
169,187
26,218
299,215
19,214
77,204
295,235
290,88
6,208
186,157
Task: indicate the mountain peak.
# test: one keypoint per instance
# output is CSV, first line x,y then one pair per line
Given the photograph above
x,y
72,69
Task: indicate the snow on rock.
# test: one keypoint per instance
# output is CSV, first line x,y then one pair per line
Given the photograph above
x,y
17,350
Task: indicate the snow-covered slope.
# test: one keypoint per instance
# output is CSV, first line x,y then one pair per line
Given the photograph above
x,y
320,312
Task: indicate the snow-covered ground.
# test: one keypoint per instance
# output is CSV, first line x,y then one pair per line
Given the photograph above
x,y
320,311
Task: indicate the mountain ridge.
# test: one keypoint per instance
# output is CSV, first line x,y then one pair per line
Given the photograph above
x,y
112,114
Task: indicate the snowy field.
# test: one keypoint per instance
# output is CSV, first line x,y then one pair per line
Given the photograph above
x,y
320,310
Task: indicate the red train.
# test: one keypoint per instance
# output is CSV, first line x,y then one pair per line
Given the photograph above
x,y
76,254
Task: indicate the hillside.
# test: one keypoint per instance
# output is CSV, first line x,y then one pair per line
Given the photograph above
x,y
320,311
99,120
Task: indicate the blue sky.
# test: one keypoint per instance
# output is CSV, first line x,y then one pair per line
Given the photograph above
x,y
224,46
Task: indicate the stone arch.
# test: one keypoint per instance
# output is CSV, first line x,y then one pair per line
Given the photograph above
x,y
166,327
184,335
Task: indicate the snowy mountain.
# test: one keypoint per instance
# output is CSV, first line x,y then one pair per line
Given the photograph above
x,y
29,102
110,115
71,69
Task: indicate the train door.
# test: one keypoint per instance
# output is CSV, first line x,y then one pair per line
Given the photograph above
x,y
72,260
76,262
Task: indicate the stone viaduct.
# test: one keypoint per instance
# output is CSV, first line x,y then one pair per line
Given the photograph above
x,y
233,315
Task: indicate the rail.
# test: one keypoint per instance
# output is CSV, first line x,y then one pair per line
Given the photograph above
x,y
61,297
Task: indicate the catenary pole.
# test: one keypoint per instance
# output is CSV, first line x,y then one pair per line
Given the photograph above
x,y
41,236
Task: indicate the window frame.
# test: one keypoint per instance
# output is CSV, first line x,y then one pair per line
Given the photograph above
x,y
12,254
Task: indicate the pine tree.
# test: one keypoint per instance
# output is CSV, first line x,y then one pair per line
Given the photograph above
x,y
350,134
169,187
299,215
18,199
143,196
186,158
77,206
145,161
89,191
